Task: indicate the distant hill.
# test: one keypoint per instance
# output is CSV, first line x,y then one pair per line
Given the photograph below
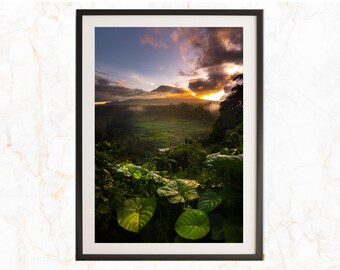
x,y
168,89
161,101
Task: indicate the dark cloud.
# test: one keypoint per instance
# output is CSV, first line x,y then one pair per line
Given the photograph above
x,y
199,85
215,49
107,90
221,46
103,81
187,73
217,80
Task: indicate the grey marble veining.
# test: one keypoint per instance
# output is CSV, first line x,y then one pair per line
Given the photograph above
x,y
302,137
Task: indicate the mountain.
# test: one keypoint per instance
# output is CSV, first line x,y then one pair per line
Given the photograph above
x,y
168,89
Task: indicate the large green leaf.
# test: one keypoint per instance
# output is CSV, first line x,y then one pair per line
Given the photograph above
x,y
157,178
179,190
139,173
216,226
192,224
233,232
208,201
136,213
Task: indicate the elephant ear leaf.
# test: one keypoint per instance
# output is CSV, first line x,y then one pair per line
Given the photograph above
x,y
192,224
209,201
179,191
135,213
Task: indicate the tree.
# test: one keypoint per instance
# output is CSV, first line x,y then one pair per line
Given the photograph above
x,y
231,112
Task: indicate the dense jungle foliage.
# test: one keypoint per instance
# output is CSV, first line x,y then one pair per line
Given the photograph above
x,y
171,173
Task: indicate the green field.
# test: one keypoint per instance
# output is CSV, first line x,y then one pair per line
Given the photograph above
x,y
168,132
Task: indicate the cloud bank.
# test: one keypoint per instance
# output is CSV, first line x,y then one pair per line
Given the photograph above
x,y
108,90
212,50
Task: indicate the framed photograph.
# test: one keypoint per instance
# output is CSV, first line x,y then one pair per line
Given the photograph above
x,y
169,134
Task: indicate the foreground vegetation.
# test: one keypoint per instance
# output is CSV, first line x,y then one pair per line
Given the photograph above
x,y
170,173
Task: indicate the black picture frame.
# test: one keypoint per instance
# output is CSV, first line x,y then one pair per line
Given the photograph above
x,y
258,255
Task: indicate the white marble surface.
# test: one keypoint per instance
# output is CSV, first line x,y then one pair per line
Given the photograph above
x,y
302,137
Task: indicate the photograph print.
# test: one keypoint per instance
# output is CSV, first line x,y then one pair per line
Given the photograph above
x,y
169,134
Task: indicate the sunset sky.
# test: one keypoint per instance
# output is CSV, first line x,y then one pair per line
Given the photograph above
x,y
132,62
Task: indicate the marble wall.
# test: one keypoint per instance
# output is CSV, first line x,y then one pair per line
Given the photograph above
x,y
302,137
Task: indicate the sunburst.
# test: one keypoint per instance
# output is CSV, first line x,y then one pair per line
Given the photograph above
x,y
213,97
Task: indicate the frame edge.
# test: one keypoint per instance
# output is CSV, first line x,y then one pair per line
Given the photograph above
x,y
79,163
259,154
258,256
